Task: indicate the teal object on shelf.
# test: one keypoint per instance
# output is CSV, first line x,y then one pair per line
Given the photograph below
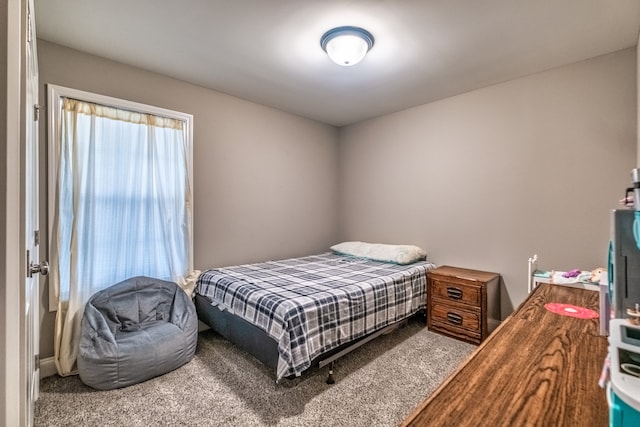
x,y
620,413
610,269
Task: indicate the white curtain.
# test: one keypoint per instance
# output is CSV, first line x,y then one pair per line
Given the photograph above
x,y
123,208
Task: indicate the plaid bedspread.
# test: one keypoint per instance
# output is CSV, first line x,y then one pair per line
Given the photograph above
x,y
313,304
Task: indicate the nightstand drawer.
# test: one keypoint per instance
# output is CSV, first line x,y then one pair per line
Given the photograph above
x,y
460,333
456,291
460,302
456,318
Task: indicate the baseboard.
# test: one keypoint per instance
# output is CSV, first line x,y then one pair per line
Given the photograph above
x,y
47,367
492,324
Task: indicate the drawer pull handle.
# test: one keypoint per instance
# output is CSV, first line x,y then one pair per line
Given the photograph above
x,y
454,293
454,318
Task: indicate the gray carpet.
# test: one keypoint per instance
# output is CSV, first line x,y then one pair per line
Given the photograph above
x,y
377,385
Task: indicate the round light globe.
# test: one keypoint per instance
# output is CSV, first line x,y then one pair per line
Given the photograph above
x,y
347,50
347,46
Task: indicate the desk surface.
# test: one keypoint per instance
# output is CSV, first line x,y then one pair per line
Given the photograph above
x,y
537,369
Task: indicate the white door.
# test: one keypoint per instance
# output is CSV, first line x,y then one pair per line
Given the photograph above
x,y
34,268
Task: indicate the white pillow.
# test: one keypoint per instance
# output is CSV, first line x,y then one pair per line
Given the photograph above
x,y
397,254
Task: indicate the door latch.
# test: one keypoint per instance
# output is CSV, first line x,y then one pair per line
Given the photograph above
x,y
35,268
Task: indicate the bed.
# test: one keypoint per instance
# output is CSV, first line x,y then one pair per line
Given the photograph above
x,y
296,313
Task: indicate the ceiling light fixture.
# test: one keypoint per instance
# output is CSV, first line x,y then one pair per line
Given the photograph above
x,y
347,46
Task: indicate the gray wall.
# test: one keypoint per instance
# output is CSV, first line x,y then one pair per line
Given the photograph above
x,y
481,180
488,178
265,181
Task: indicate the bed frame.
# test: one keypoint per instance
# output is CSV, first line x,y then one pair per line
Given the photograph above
x,y
256,342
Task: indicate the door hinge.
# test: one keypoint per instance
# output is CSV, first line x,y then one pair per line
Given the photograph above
x,y
36,362
36,111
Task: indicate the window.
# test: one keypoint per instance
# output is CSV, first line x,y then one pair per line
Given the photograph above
x,y
120,201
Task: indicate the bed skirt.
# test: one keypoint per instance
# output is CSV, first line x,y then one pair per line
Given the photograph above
x,y
254,340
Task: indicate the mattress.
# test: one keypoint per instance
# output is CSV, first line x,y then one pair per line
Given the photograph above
x,y
311,305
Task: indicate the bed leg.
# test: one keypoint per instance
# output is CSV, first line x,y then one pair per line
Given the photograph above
x,y
330,379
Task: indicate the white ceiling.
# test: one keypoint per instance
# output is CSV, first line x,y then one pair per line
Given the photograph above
x,y
268,51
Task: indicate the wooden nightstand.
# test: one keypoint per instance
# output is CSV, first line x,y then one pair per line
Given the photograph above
x,y
461,302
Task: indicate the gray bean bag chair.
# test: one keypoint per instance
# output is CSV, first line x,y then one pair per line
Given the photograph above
x,y
136,330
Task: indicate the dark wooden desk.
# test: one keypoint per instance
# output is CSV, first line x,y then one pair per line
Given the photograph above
x,y
537,369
